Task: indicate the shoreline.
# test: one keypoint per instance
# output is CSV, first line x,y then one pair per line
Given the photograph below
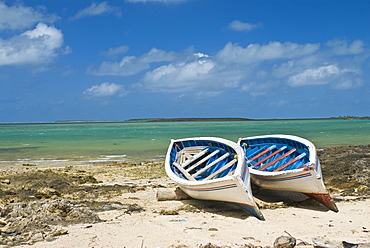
x,y
62,163
87,161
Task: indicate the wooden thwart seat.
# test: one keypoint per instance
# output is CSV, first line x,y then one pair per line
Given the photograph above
x,y
196,156
228,165
290,162
307,165
262,153
202,160
277,159
184,172
269,156
211,164
188,163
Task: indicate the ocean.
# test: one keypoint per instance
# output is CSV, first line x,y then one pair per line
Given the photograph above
x,y
48,144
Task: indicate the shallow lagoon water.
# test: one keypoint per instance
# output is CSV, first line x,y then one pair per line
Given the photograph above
x,y
138,141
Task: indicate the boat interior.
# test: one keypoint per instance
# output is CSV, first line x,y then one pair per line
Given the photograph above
x,y
198,160
275,154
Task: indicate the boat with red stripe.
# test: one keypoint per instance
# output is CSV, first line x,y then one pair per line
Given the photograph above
x,y
286,162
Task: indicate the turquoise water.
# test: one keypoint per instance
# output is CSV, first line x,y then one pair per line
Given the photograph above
x,y
149,140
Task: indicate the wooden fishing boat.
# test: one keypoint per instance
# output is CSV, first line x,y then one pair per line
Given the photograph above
x,y
209,168
286,162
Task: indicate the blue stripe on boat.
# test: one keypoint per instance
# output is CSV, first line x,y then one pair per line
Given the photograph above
x,y
213,188
249,209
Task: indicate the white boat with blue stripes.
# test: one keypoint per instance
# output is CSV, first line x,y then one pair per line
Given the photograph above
x,y
210,168
286,162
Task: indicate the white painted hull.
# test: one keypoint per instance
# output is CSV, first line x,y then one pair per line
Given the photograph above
x,y
307,179
233,187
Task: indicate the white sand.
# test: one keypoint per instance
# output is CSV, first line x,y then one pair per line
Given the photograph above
x,y
233,228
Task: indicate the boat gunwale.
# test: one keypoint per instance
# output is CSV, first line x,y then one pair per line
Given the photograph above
x,y
278,173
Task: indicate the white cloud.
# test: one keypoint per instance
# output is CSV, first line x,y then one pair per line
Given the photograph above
x,y
341,47
180,77
105,89
37,46
317,76
50,37
131,65
96,10
116,51
255,69
197,74
284,69
348,83
324,75
255,53
18,17
242,26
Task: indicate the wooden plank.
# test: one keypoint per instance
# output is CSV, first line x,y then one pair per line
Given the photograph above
x,y
269,156
231,163
308,165
262,153
184,172
290,162
198,155
202,160
169,194
277,159
211,164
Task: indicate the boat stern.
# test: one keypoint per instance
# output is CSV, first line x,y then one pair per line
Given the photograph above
x,y
325,199
253,210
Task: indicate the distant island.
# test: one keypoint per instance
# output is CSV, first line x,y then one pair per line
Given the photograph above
x,y
246,119
188,119
191,119
213,119
348,117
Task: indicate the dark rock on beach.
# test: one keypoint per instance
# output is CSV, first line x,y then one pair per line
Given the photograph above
x,y
347,169
323,242
37,205
285,242
26,223
351,245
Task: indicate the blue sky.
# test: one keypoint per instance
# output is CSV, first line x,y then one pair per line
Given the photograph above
x,y
124,59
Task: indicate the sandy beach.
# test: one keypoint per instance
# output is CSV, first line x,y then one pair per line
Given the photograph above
x,y
116,205
215,223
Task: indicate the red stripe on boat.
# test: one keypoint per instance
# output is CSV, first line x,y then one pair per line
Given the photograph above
x,y
325,199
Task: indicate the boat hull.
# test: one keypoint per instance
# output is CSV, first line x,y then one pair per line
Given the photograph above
x,y
306,179
233,187
228,190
